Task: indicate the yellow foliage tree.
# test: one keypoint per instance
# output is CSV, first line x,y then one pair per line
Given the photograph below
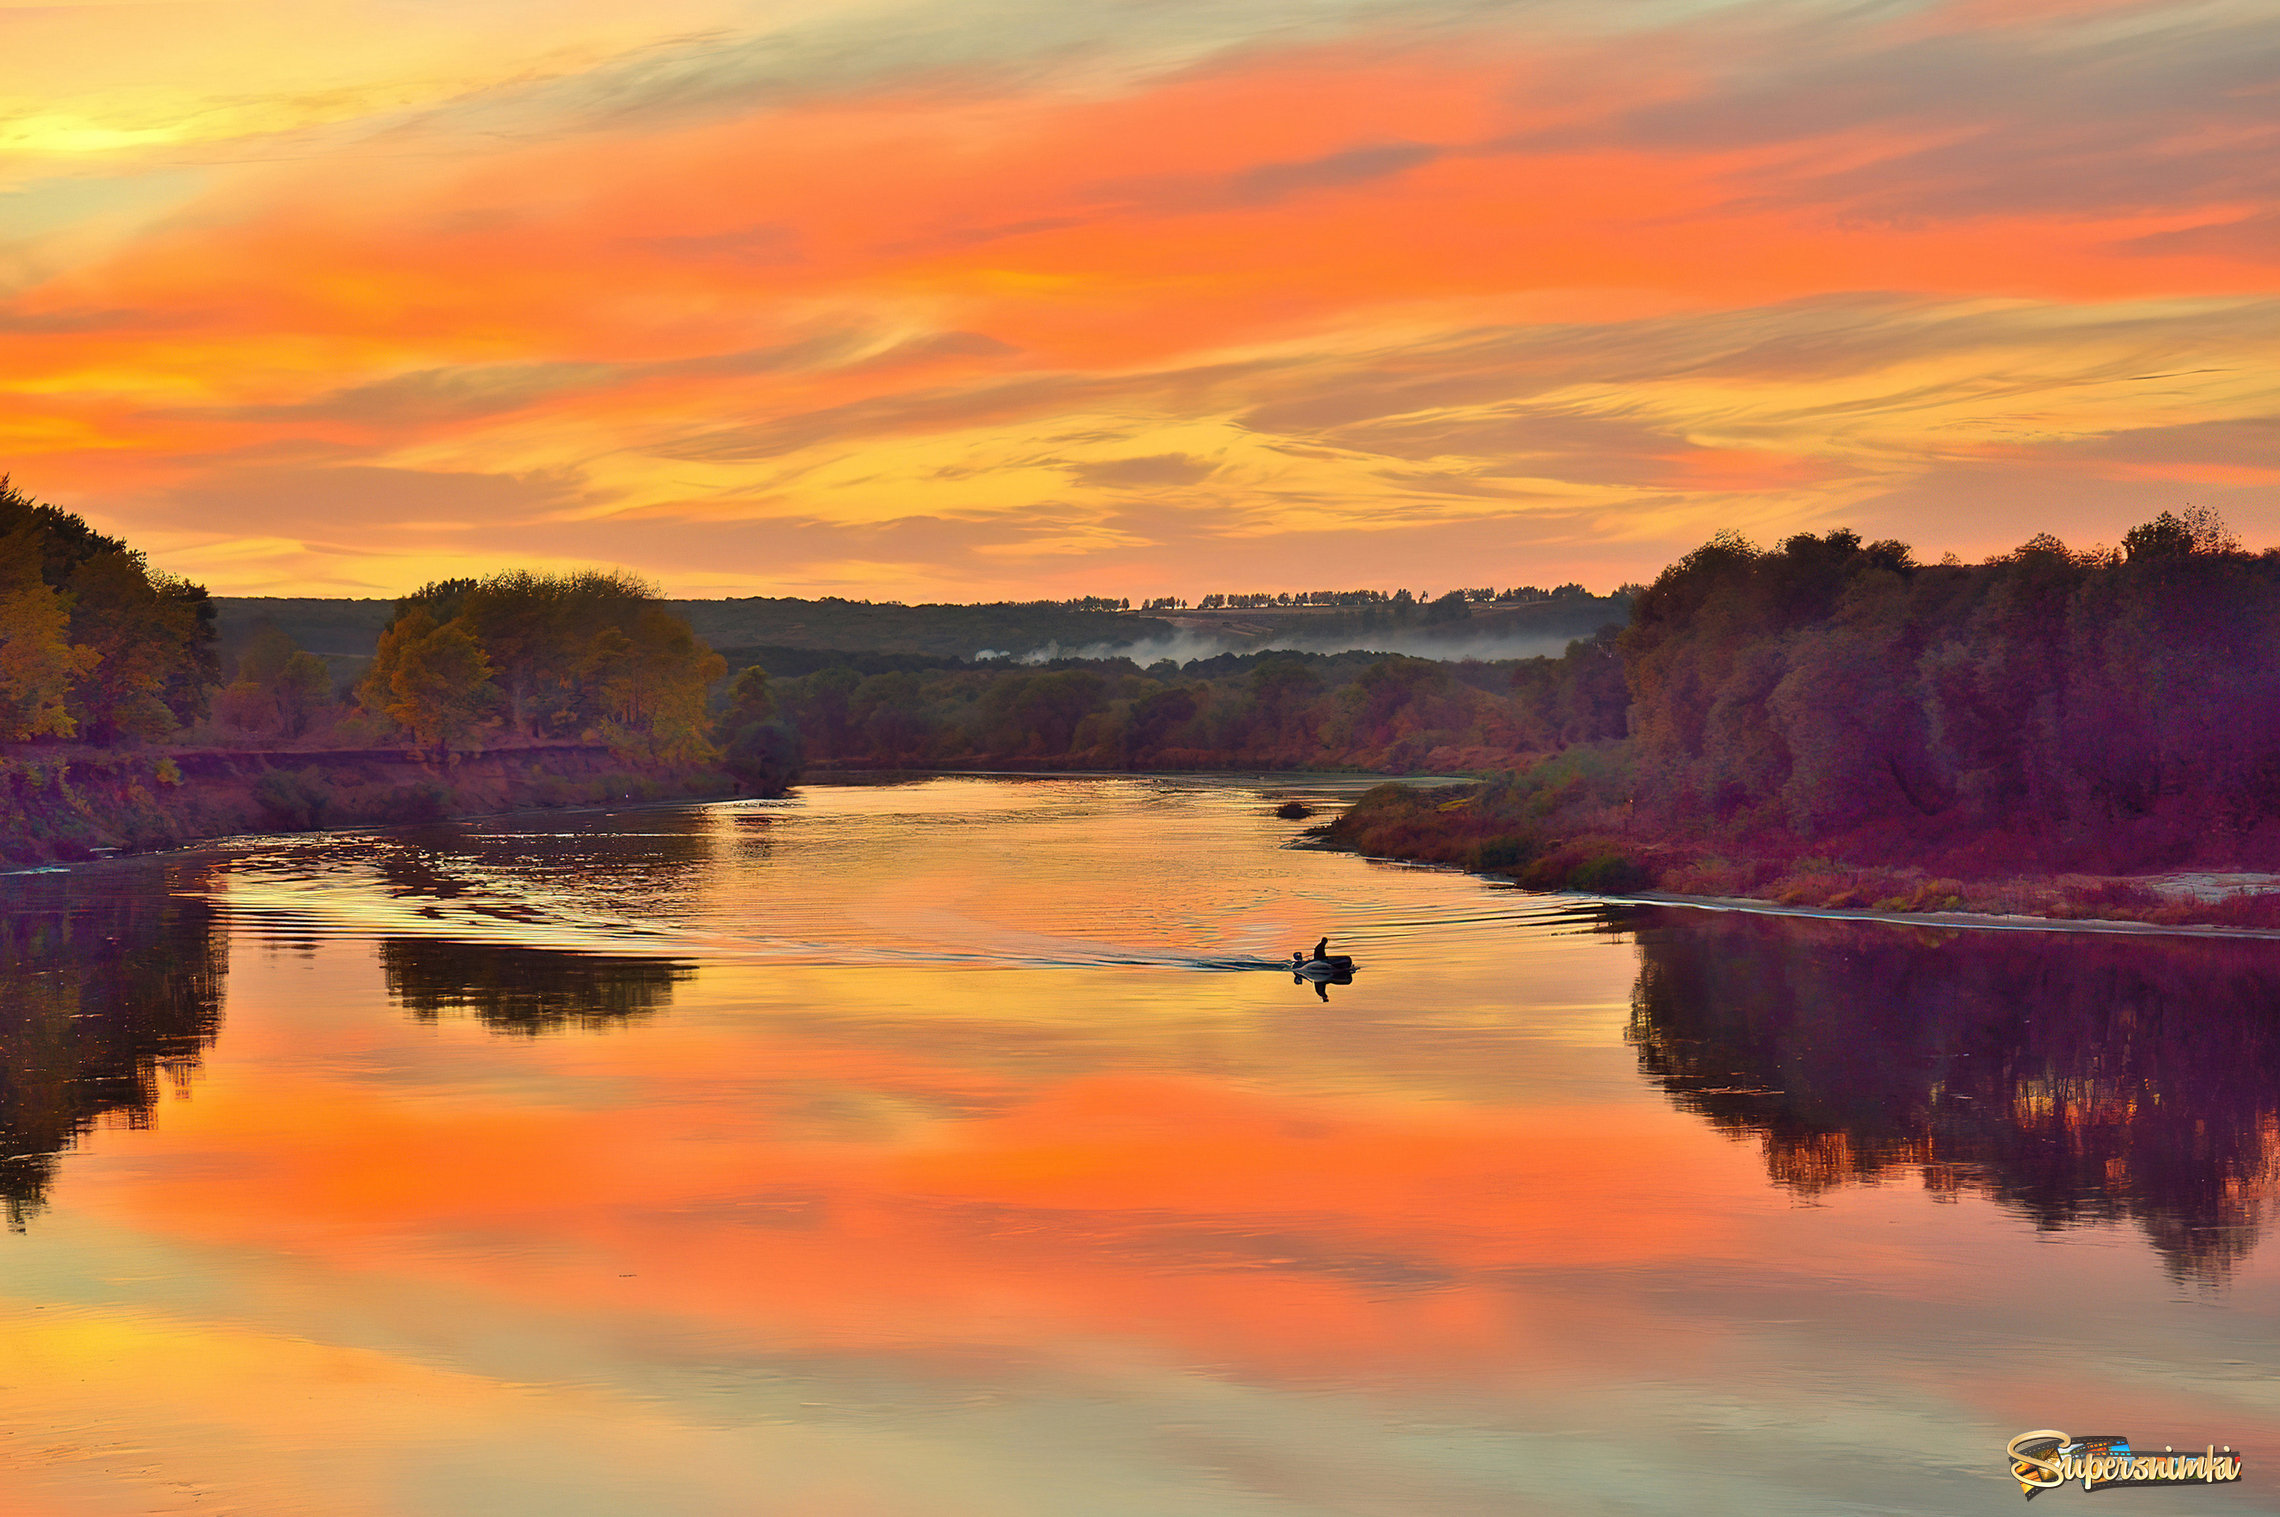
x,y
434,680
377,690
38,662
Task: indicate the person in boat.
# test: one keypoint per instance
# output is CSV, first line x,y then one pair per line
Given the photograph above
x,y
1322,948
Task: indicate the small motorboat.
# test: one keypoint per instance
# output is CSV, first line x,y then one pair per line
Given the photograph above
x,y
1334,967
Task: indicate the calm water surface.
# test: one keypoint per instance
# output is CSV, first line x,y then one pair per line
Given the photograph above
x,y
940,1149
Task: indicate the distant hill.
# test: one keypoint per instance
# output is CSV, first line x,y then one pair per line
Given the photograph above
x,y
348,630
939,631
333,628
345,632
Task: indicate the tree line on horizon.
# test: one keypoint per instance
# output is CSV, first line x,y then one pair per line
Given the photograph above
x,y
102,650
2100,709
1266,710
2108,705
1396,600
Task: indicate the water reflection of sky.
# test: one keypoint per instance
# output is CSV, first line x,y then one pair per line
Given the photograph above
x,y
886,1152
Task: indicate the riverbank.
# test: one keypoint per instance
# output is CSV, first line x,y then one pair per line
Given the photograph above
x,y
1529,838
67,804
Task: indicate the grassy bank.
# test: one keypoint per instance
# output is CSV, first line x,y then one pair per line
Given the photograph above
x,y
1552,827
61,804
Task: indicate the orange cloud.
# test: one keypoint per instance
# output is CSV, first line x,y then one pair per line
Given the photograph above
x,y
678,283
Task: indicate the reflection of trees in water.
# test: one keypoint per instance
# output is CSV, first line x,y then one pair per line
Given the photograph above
x,y
612,848
108,981
525,990
2077,1078
529,876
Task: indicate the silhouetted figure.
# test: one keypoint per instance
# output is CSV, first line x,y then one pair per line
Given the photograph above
x,y
1323,970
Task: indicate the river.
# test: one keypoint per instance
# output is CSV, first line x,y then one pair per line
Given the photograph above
x,y
954,1148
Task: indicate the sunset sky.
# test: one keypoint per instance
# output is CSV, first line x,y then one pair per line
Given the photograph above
x,y
1022,298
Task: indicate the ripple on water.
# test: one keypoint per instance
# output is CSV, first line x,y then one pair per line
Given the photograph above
x,y
873,875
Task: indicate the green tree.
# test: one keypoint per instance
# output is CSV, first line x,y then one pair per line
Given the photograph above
x,y
295,684
652,683
537,630
749,700
139,635
763,753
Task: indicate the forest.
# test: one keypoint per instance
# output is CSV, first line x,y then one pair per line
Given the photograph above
x,y
1257,710
102,651
99,650
1819,707
1830,704
94,644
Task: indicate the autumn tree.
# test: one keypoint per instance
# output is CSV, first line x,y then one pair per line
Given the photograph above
x,y
434,680
38,661
537,631
146,659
